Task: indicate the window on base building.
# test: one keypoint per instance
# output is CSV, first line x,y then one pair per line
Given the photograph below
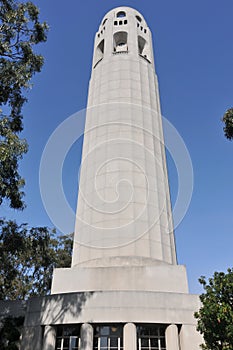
x,y
151,337
108,337
68,337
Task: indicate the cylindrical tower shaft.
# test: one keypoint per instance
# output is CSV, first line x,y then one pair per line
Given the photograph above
x,y
124,207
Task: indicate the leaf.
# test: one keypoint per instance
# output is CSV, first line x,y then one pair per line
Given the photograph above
x,y
228,120
215,317
20,31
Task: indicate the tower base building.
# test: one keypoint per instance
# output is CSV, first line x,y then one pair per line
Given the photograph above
x,y
124,290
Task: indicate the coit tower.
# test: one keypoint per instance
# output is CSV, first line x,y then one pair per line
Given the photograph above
x,y
124,269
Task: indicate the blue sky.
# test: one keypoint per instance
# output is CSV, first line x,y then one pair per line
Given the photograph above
x,y
193,46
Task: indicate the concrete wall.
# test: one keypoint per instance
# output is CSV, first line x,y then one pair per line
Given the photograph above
x,y
161,278
114,307
102,307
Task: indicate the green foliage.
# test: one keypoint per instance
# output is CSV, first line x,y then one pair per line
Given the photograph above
x,y
11,150
20,31
228,120
10,333
215,317
28,257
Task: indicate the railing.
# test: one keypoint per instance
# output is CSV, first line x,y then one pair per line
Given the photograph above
x,y
145,58
97,63
120,52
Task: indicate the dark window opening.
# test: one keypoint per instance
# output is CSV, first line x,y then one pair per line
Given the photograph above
x,y
68,337
139,18
100,47
138,25
143,48
120,23
104,21
151,337
141,45
115,23
145,31
141,28
99,54
108,337
120,42
121,14
125,22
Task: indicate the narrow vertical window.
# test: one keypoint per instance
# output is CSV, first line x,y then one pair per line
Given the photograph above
x,y
139,18
143,48
100,47
99,53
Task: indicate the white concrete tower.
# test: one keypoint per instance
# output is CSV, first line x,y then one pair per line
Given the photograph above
x,y
124,211
124,290
124,203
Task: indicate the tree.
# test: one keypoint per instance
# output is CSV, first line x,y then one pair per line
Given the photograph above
x,y
215,317
28,257
20,31
228,120
10,332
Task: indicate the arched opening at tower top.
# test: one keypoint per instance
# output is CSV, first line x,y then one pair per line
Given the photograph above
x,y
105,20
120,42
121,14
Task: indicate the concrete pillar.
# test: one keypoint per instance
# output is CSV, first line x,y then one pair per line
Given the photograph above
x,y
86,337
172,338
190,339
49,340
130,337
